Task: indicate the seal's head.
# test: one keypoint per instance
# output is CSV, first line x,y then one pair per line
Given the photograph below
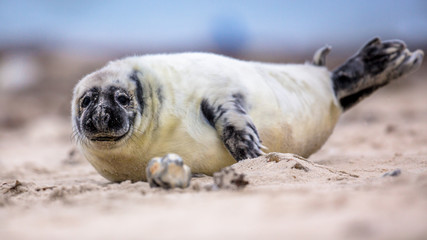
x,y
106,106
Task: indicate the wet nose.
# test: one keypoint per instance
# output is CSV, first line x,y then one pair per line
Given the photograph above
x,y
101,118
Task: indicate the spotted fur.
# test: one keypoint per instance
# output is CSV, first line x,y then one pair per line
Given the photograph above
x,y
234,126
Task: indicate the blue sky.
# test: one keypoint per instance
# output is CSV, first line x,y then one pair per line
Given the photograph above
x,y
188,25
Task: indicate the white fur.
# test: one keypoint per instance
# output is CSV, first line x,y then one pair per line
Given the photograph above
x,y
293,107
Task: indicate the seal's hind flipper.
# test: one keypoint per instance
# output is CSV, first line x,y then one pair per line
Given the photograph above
x,y
373,66
234,126
319,58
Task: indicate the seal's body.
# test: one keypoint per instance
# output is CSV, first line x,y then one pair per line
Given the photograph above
x,y
214,110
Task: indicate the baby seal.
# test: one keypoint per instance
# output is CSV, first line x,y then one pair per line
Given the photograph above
x,y
214,110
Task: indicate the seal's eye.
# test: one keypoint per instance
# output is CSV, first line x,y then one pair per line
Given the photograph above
x,y
85,102
123,100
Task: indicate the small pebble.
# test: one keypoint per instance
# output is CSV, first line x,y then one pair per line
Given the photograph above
x,y
393,173
299,166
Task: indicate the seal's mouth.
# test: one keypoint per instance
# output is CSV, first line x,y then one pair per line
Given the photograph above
x,y
107,138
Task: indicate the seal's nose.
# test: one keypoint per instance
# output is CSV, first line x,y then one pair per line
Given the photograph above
x,y
101,118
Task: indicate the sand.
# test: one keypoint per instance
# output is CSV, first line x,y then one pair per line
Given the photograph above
x,y
49,191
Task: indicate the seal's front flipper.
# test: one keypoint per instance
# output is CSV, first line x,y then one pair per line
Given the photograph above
x,y
234,126
373,66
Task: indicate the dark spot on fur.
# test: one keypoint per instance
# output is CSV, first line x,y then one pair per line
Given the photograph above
x,y
240,110
138,91
228,132
160,95
220,112
252,126
238,97
208,112
239,101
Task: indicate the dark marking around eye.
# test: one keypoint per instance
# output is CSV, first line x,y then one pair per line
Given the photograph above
x,y
85,102
93,90
88,97
123,100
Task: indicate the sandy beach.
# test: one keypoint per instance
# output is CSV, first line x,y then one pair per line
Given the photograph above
x,y
369,181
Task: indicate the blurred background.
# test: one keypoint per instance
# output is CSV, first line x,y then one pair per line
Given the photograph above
x,y
47,46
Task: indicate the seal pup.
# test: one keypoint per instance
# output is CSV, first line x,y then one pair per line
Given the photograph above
x,y
213,110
